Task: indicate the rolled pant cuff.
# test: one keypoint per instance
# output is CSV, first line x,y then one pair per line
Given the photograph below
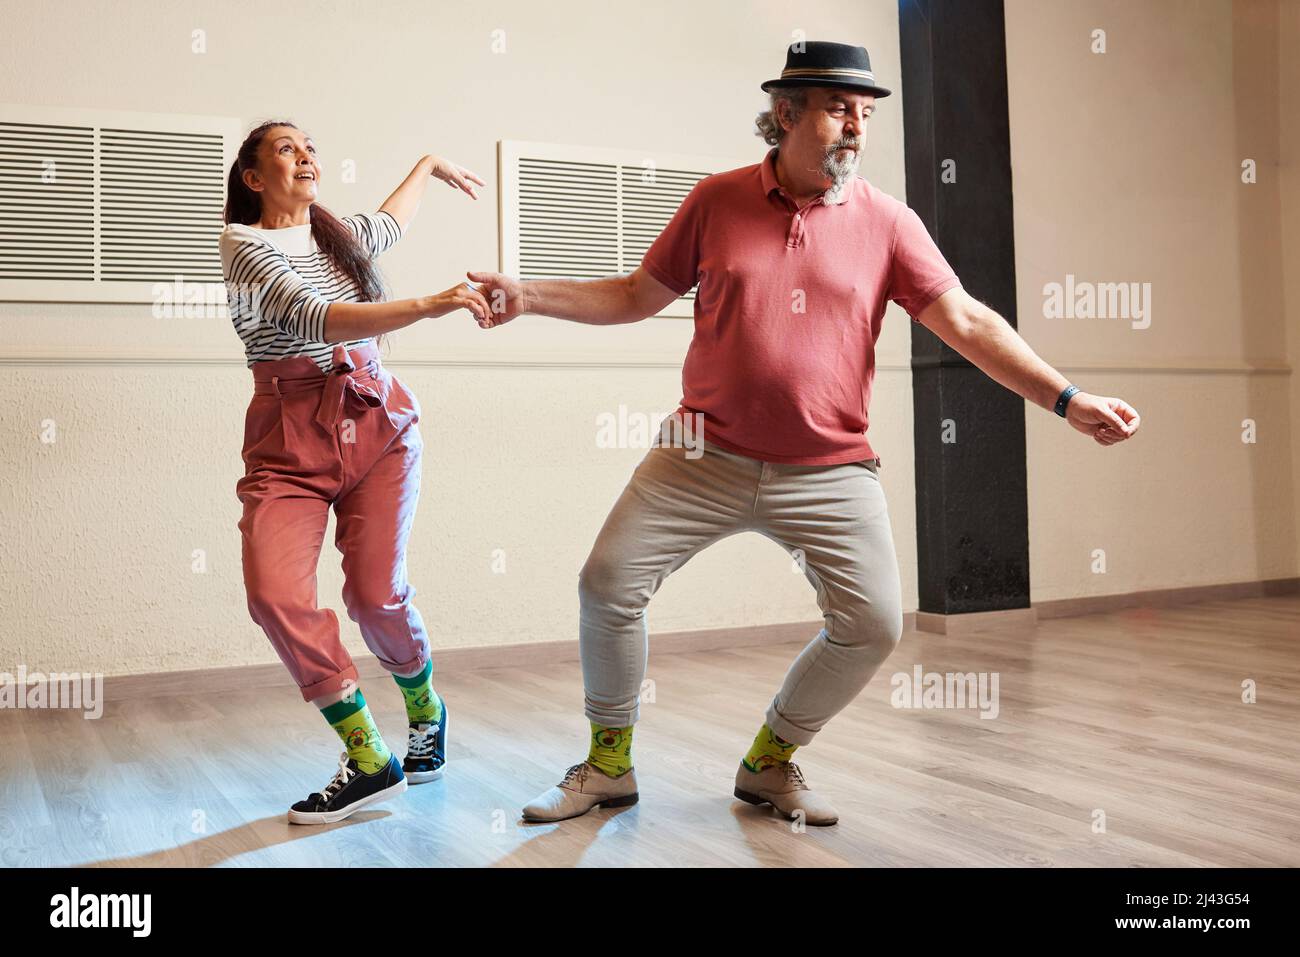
x,y
414,666
791,732
330,685
613,719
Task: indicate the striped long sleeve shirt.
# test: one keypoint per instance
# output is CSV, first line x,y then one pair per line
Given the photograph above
x,y
279,285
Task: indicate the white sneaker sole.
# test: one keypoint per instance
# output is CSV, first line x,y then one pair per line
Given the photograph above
x,y
423,777
330,817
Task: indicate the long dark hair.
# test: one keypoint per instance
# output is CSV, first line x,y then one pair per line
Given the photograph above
x,y
346,256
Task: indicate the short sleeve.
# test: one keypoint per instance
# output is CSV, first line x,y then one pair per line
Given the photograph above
x,y
673,259
918,272
261,284
375,231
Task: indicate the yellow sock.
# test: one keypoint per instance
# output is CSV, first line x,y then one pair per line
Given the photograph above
x,y
768,749
423,706
356,728
611,749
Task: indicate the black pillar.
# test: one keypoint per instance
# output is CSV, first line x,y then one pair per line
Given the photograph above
x,y
972,524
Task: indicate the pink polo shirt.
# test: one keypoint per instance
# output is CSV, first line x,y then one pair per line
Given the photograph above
x,y
789,308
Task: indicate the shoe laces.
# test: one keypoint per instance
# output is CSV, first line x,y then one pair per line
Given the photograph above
x,y
341,777
794,776
420,744
576,774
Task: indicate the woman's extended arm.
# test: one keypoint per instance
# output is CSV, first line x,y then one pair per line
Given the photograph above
x,y
345,321
405,201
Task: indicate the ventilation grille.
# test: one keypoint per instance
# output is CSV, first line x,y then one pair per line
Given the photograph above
x,y
106,208
568,219
160,201
47,202
647,205
576,213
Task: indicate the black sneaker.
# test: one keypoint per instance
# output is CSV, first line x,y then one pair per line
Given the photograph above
x,y
426,750
351,790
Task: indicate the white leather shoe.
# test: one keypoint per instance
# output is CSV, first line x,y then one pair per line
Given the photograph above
x,y
584,787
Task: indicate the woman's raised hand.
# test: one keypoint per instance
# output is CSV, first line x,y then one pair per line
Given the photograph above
x,y
455,176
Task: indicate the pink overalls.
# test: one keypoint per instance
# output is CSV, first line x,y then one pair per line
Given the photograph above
x,y
347,439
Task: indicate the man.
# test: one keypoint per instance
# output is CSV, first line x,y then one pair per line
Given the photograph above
x,y
795,259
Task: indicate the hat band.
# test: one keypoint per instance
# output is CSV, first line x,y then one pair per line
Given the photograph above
x,y
827,71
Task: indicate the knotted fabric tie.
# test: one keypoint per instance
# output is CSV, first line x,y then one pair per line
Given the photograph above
x,y
339,383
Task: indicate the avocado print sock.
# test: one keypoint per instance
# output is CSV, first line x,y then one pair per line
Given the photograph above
x,y
356,728
611,749
423,706
768,749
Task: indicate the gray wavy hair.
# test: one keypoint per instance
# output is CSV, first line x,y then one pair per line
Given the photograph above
x,y
769,127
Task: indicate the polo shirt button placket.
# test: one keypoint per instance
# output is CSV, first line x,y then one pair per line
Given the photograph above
x,y
796,227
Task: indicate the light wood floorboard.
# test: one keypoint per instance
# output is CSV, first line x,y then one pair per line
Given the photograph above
x,y
1136,714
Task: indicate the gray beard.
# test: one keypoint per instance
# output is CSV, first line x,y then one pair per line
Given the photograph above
x,y
840,168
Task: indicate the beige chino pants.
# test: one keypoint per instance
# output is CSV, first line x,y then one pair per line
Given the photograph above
x,y
832,518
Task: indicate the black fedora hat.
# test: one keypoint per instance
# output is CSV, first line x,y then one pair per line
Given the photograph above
x,y
819,63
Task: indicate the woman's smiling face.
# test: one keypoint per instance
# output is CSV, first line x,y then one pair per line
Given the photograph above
x,y
287,168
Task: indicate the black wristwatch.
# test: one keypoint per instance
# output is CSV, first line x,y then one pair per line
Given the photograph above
x,y
1066,395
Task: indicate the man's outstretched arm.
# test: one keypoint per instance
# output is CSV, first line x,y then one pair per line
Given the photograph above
x,y
600,302
988,341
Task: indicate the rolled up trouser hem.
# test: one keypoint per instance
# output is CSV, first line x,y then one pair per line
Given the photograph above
x,y
330,685
407,668
613,719
790,732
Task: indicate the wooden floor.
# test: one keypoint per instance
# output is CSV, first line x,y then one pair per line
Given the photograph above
x,y
1136,714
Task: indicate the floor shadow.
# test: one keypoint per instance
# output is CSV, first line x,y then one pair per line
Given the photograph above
x,y
564,843
225,845
768,833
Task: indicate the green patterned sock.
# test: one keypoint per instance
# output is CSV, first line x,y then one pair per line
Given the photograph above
x,y
423,706
356,728
768,749
611,749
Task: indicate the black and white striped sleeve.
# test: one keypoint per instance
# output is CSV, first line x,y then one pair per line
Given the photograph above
x,y
375,231
267,284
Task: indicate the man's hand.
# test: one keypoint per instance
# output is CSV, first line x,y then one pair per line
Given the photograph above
x,y
504,295
1108,420
597,302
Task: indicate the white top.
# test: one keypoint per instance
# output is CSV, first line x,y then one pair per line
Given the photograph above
x,y
278,285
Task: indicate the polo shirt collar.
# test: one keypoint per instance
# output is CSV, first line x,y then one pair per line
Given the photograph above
x,y
767,175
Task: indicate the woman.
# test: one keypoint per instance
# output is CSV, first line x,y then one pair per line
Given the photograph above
x,y
329,425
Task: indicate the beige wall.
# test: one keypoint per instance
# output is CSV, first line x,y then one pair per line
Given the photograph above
x,y
1288,35
1126,167
101,525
